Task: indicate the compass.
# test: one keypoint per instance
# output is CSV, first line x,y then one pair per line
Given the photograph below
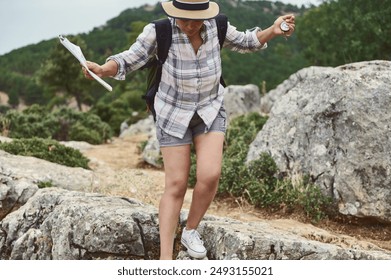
x,y
284,26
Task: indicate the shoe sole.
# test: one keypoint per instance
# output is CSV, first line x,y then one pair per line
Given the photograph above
x,y
192,253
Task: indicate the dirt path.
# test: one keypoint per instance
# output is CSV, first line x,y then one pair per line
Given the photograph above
x,y
118,166
121,172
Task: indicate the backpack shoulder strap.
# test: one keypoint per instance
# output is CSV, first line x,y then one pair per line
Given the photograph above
x,y
222,26
163,38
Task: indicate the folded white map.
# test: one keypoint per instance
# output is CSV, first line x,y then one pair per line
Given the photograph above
x,y
76,51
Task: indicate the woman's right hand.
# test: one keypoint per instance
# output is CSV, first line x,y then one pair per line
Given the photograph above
x,y
290,20
93,67
109,69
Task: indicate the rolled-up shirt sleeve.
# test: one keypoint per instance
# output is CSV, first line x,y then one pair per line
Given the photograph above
x,y
137,55
243,42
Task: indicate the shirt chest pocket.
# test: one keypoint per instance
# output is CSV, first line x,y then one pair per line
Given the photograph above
x,y
211,64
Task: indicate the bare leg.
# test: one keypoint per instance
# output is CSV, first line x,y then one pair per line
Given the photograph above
x,y
209,149
176,166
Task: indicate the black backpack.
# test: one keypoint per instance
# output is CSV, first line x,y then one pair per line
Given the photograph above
x,y
154,65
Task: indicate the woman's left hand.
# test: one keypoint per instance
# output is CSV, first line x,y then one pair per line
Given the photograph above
x,y
290,20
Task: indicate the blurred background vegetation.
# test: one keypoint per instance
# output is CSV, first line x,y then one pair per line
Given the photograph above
x,y
333,33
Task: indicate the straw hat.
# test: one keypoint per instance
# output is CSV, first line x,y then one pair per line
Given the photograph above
x,y
191,9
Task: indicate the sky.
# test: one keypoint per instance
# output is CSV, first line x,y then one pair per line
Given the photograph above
x,y
24,22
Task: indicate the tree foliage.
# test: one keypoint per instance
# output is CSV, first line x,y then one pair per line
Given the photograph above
x,y
61,73
346,31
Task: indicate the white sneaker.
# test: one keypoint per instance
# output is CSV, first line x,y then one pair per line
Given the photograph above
x,y
191,239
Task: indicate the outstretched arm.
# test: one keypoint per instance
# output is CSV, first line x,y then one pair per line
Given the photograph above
x,y
269,33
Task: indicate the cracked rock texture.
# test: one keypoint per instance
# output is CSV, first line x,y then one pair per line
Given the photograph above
x,y
75,224
68,225
64,224
334,124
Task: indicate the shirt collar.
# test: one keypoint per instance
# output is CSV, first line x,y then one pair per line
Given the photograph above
x,y
203,28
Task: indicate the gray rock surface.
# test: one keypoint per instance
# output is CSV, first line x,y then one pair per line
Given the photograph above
x,y
65,225
274,95
68,225
38,170
334,124
241,100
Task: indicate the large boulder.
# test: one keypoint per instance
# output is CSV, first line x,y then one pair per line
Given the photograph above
x,y
42,171
335,125
63,225
144,126
241,100
20,178
268,100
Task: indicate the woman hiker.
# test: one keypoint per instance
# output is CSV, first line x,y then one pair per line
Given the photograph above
x,y
189,106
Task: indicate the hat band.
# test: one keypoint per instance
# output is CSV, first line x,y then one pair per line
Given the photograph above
x,y
191,7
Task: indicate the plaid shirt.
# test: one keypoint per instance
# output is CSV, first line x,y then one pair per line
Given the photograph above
x,y
190,82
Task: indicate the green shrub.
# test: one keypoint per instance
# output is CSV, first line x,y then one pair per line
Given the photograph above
x,y
79,132
114,110
61,124
46,149
141,146
91,128
245,128
45,184
4,126
32,122
315,204
4,108
241,132
264,189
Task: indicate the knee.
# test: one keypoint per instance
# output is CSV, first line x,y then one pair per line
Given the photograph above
x,y
176,187
210,178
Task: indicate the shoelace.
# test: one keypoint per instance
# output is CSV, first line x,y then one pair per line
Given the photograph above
x,y
195,237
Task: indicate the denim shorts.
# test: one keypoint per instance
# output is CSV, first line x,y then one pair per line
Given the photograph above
x,y
196,127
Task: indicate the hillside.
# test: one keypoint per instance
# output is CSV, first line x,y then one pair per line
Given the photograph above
x,y
19,69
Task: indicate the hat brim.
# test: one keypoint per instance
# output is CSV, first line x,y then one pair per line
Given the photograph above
x,y
174,12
